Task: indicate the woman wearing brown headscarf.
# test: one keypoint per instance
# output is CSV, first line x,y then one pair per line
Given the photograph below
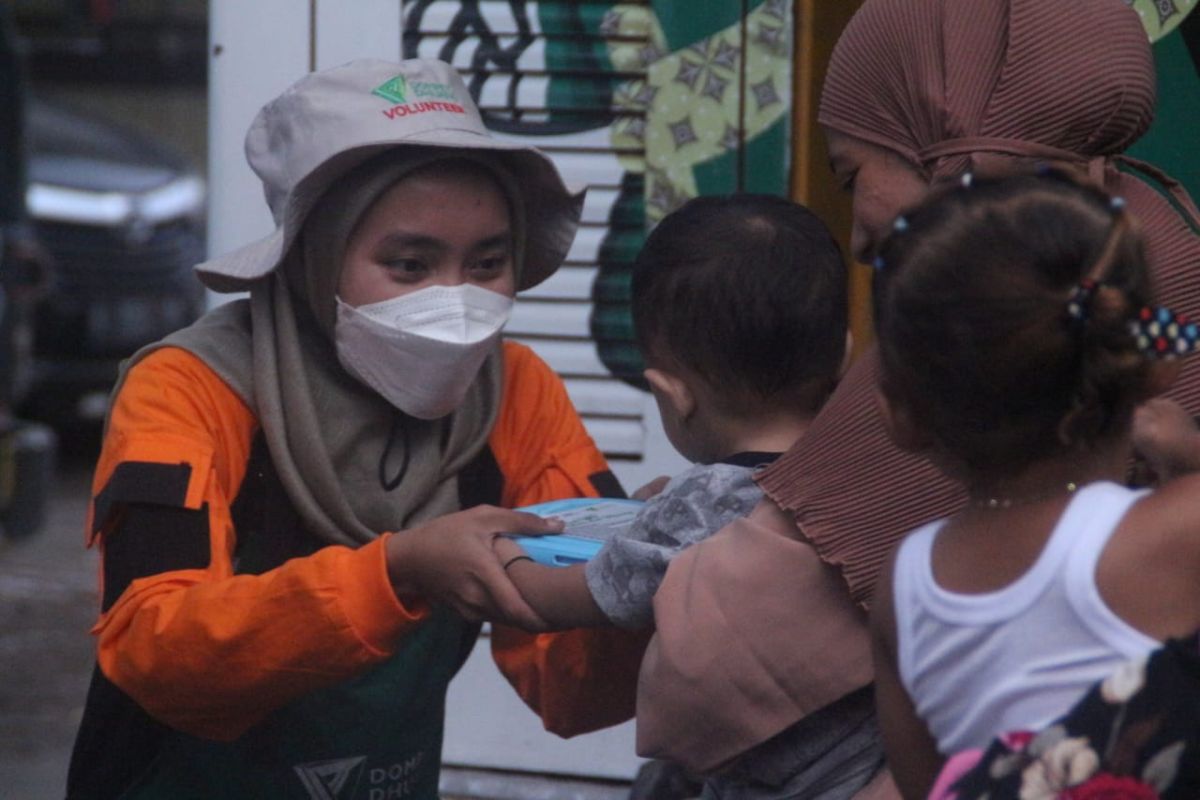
x,y
918,91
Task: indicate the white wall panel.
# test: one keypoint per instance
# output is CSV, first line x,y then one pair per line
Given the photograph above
x,y
567,357
488,726
569,283
371,29
586,247
550,319
611,398
245,70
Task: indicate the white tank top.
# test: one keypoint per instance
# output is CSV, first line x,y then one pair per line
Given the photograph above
x,y
1015,659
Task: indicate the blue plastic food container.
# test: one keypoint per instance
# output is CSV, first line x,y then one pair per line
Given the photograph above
x,y
590,522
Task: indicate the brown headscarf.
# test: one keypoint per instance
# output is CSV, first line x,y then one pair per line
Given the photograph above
x,y
991,86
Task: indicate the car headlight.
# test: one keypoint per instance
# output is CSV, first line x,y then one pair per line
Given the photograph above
x,y
182,197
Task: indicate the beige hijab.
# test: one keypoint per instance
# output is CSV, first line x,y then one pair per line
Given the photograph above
x,y
992,86
337,446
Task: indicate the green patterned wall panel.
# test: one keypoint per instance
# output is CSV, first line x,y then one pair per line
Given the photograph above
x,y
1171,142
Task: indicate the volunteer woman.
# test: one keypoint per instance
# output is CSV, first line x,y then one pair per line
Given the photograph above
x,y
290,578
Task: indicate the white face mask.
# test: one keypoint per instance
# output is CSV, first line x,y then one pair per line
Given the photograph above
x,y
421,351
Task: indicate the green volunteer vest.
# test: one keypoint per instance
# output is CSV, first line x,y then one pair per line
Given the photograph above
x,y
375,737
378,736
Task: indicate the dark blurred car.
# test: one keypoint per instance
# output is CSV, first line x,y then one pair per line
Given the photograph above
x,y
123,217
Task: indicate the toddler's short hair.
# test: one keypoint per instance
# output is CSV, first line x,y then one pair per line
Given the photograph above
x,y
748,292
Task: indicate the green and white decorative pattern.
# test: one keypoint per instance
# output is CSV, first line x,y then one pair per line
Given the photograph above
x,y
1162,16
688,116
707,113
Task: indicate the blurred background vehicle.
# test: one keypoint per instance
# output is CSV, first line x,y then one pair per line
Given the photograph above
x,y
123,218
116,128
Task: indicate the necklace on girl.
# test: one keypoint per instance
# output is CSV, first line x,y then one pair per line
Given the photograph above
x,y
999,503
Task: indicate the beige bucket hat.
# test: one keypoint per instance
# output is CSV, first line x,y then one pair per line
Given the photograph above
x,y
330,121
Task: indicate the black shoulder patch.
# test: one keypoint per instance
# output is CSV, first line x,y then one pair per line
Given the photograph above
x,y
607,484
149,539
141,482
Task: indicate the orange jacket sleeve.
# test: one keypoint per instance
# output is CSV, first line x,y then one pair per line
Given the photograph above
x,y
204,650
539,442
580,680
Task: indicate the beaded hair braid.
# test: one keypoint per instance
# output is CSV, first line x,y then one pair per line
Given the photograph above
x,y
1158,331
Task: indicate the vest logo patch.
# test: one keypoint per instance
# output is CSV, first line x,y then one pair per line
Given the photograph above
x,y
328,780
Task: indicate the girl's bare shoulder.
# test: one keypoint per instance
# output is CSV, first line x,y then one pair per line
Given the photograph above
x,y
1165,524
1172,509
1147,572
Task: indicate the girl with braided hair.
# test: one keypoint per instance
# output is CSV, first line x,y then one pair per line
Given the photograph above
x,y
1016,338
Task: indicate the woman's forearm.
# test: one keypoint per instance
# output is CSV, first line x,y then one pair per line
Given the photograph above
x,y
213,655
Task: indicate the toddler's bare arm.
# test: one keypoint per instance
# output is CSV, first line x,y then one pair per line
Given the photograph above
x,y
559,595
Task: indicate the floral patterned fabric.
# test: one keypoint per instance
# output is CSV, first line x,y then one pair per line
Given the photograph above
x,y
624,576
1134,736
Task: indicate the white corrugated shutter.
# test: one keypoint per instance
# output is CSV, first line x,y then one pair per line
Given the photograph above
x,y
486,725
501,50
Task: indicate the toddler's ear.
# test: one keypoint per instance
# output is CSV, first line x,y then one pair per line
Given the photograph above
x,y
673,390
900,426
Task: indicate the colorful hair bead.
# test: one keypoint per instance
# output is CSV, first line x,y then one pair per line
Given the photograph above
x,y
901,224
966,180
1081,299
1116,203
1162,333
877,263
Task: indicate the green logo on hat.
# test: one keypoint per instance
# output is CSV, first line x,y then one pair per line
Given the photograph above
x,y
394,90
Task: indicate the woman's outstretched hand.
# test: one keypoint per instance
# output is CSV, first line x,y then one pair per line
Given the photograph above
x,y
450,560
